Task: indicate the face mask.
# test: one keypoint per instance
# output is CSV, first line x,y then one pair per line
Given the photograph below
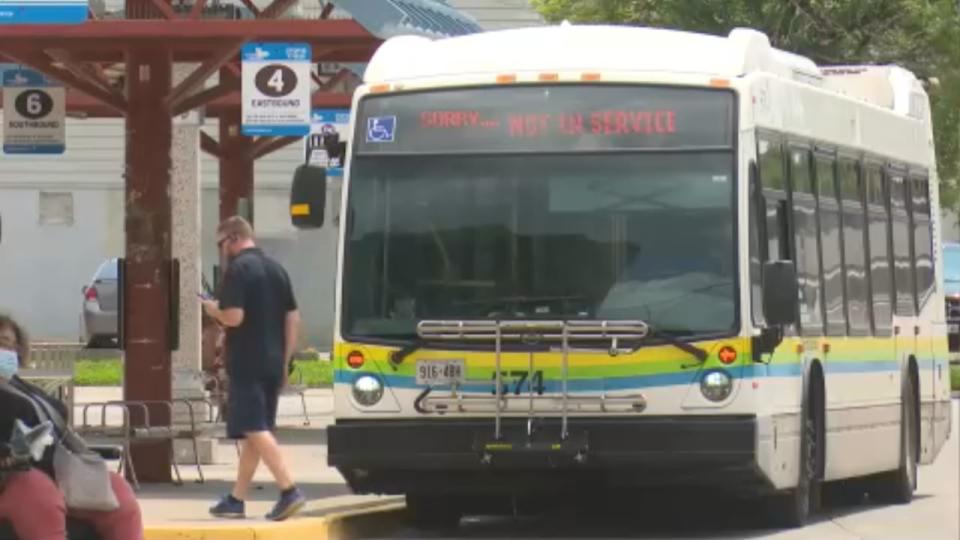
x,y
9,364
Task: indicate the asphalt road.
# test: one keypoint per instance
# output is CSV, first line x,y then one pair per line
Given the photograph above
x,y
933,515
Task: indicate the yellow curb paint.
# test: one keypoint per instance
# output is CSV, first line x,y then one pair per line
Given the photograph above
x,y
334,526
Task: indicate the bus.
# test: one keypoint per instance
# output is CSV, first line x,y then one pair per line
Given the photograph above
x,y
593,258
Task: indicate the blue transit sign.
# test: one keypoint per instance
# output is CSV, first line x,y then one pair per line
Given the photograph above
x,y
276,89
34,114
43,11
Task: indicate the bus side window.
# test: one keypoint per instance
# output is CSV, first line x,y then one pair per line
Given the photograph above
x,y
774,183
806,242
881,269
903,267
922,238
828,211
768,218
854,254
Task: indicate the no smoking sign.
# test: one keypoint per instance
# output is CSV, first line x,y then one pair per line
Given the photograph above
x,y
276,89
34,117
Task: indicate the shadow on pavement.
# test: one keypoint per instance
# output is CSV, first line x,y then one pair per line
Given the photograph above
x,y
650,516
260,491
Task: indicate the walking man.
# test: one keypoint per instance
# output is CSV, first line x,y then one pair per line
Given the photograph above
x,y
259,312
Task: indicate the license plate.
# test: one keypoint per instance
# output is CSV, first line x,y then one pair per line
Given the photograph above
x,y
441,372
953,328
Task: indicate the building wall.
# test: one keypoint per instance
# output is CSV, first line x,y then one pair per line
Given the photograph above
x,y
44,263
499,14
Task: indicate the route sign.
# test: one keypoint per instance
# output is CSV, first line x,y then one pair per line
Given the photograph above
x,y
34,114
43,11
276,89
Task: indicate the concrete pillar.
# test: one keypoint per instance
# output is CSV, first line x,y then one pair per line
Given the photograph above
x,y
187,382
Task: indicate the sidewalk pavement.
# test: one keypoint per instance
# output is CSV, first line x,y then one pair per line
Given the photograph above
x,y
181,512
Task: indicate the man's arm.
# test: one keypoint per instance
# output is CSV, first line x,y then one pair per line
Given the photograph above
x,y
229,310
232,317
291,332
291,325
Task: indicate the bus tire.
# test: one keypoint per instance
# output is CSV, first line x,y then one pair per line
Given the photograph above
x,y
793,508
439,513
897,487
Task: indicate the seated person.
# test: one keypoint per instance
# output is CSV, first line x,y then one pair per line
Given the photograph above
x,y
30,499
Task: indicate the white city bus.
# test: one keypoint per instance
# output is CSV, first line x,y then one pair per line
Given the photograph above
x,y
600,257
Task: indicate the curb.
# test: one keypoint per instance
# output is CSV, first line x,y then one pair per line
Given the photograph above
x,y
360,519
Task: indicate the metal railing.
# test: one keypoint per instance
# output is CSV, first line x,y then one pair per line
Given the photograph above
x,y
563,332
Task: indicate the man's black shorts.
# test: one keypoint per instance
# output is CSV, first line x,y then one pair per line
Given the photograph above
x,y
252,406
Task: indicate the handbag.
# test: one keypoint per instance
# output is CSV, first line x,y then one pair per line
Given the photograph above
x,y
82,475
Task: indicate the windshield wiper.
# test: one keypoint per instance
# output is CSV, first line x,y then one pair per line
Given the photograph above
x,y
398,356
670,337
667,336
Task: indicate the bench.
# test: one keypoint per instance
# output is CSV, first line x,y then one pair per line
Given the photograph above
x,y
217,388
128,433
52,367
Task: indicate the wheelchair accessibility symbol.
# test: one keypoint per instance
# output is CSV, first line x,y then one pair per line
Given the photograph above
x,y
380,129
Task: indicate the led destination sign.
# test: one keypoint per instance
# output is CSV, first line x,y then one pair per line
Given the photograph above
x,y
558,118
576,123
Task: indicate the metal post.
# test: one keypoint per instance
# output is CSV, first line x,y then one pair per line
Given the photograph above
x,y
566,359
147,287
530,377
236,167
499,342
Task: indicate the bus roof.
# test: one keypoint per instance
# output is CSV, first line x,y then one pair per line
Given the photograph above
x,y
625,49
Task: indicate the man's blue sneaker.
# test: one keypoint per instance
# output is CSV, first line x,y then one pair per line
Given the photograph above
x,y
229,507
291,501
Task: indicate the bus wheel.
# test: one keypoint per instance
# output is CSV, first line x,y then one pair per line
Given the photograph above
x,y
897,486
793,508
433,512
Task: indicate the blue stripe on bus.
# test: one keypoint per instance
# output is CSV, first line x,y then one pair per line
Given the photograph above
x,y
756,371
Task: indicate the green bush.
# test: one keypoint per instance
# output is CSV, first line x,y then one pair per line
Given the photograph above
x,y
955,378
316,373
99,372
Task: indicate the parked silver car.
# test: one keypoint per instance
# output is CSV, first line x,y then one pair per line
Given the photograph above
x,y
100,307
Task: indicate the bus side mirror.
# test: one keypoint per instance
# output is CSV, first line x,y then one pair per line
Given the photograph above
x,y
308,197
781,293
780,304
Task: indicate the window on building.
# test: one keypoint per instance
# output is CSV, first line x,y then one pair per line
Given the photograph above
x,y
56,208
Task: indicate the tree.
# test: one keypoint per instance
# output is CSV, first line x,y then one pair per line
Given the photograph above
x,y
921,35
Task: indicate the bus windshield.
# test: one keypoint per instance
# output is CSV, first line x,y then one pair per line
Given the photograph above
x,y
536,235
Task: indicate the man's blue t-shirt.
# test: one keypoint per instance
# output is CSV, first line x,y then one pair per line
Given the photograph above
x,y
261,287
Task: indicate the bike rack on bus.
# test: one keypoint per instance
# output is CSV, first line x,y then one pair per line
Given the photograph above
x,y
534,331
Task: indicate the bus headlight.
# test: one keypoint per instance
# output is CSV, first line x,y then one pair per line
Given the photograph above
x,y
716,385
367,390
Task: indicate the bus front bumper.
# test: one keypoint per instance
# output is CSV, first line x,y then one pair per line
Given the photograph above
x,y
400,456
